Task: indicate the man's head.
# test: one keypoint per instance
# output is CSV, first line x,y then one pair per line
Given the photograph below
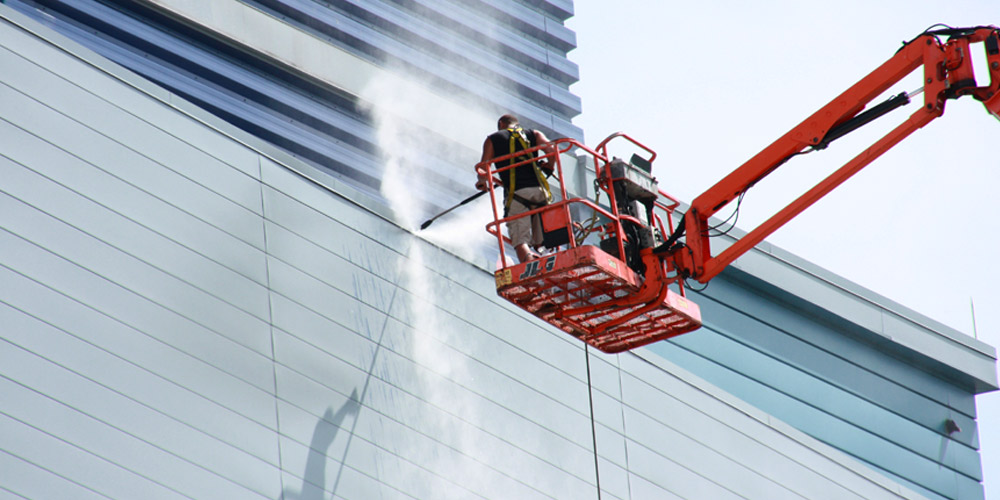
x,y
506,121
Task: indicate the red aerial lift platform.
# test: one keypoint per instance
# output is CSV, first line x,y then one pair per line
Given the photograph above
x,y
615,293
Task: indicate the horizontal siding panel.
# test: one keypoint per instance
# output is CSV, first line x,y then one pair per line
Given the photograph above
x,y
673,476
728,468
114,446
608,414
132,381
141,278
27,172
367,251
348,241
469,459
133,95
858,442
732,304
527,420
46,287
518,347
711,418
347,483
641,488
121,303
455,304
328,267
347,347
65,220
614,481
329,302
164,429
730,457
322,333
67,459
805,389
205,215
233,179
435,409
611,443
378,460
327,472
27,480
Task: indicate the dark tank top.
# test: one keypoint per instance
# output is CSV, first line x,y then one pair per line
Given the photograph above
x,y
524,175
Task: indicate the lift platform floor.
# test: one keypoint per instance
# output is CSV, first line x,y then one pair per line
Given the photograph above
x,y
590,295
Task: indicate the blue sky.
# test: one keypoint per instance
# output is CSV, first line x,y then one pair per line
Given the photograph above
x,y
709,84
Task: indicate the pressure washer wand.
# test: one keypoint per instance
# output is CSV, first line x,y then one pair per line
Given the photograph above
x,y
428,222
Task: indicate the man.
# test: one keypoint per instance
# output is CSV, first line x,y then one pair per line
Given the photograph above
x,y
525,187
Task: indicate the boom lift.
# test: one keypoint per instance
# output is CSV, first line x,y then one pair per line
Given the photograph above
x,y
616,295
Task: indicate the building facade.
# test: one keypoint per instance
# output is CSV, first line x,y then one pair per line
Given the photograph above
x,y
208,288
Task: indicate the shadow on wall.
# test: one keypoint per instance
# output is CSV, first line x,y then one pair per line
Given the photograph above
x,y
314,482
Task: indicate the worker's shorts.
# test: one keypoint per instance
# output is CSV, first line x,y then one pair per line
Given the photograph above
x,y
526,229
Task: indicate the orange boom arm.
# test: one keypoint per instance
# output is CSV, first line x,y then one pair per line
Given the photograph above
x,y
948,74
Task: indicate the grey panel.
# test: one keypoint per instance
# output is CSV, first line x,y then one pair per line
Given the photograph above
x,y
561,408
406,461
610,439
433,409
329,267
734,303
864,445
322,299
468,467
76,464
322,207
169,430
173,221
518,417
341,237
830,398
111,268
112,445
522,332
673,476
94,370
106,323
120,240
322,333
137,101
730,467
641,488
330,475
723,425
136,122
27,480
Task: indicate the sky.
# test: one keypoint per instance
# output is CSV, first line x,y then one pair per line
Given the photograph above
x,y
709,84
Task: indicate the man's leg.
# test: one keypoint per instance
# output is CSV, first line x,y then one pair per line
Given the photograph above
x,y
522,233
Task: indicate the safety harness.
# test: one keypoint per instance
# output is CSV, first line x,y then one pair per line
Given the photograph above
x,y
517,138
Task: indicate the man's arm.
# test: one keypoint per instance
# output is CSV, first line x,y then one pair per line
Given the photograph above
x,y
482,168
548,150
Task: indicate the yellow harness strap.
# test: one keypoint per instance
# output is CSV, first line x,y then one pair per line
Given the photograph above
x,y
517,134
